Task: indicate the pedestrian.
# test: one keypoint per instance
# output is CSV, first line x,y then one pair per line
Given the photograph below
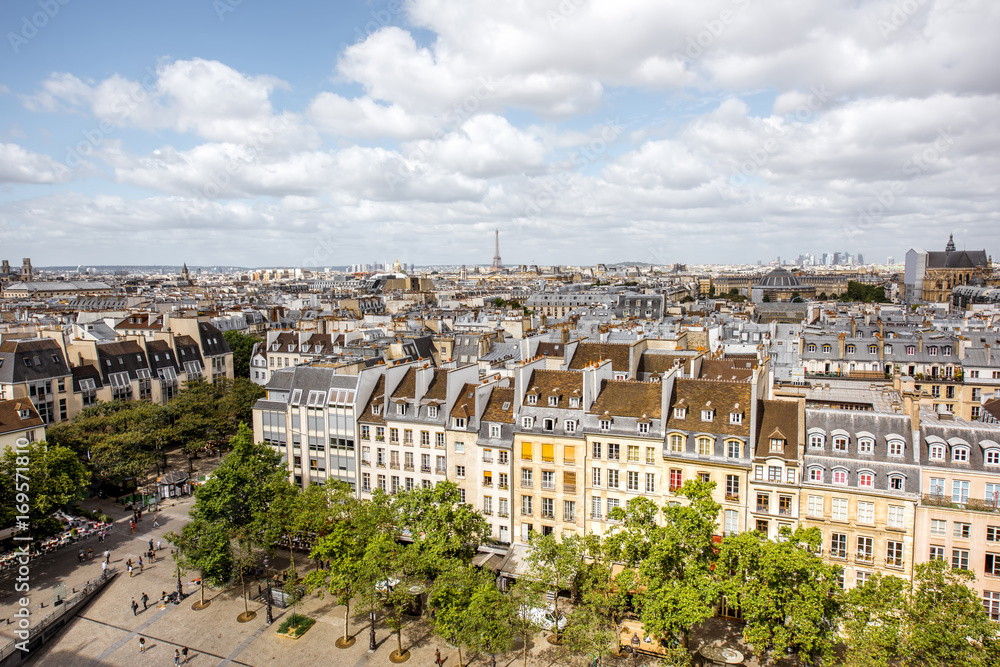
x,y
159,545
107,556
150,544
145,601
131,525
130,571
129,561
437,656
90,553
184,654
104,569
177,657
156,522
142,644
81,556
135,607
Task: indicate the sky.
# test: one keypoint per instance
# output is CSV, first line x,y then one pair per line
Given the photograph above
x,y
252,133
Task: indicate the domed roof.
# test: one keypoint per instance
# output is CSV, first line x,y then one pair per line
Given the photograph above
x,y
779,278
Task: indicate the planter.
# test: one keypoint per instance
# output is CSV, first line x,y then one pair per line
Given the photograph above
x,y
295,626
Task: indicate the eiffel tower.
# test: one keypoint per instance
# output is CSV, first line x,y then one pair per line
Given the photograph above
x,y
497,262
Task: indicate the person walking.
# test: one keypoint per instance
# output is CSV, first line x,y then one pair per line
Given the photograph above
x,y
135,607
145,601
156,522
131,525
159,545
104,569
107,556
142,644
184,654
90,553
130,571
177,657
437,656
150,544
140,563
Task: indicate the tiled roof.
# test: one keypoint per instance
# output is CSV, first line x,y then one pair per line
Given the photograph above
x,y
629,399
11,421
726,369
495,411
407,387
993,407
778,419
465,406
551,350
589,353
662,363
563,384
378,394
722,397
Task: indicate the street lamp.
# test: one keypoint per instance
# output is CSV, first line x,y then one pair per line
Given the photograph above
x,y
180,589
269,616
371,631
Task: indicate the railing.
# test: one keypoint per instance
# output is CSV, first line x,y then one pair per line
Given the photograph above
x,y
548,515
366,462
425,468
548,486
440,471
763,508
862,557
503,485
488,482
940,500
785,511
838,553
488,512
487,460
527,484
380,465
502,514
394,466
408,468
733,497
379,438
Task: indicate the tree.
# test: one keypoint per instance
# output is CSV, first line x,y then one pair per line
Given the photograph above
x,y
353,526
451,600
523,597
674,560
204,546
687,299
490,611
767,298
947,624
594,626
441,525
242,346
34,481
822,296
788,596
237,403
554,565
874,621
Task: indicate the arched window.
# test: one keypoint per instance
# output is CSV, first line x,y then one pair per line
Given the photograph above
x,y
704,446
866,479
866,446
840,444
873,349
816,441
840,476
676,442
960,454
896,447
937,452
815,474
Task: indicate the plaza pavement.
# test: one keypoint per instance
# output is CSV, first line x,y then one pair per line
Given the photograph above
x,y
107,633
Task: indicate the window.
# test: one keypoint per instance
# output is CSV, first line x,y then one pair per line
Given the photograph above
x,y
425,439
706,415
777,445
460,472
840,477
866,446
408,437
548,508
851,349
548,453
761,526
553,401
838,545
650,482
991,602
814,506
459,422
937,486
840,444
632,481
992,457
959,491
993,565
650,455
789,475
895,482
866,479
432,411
992,494
733,449
873,349
993,533
936,552
527,478
569,511
570,425
962,530
595,477
894,553
960,559
613,451
548,480
938,527
676,443
633,453
532,399
679,413
839,506
960,455
595,507
937,452
704,446
815,474
816,441
612,479
826,348
526,505
911,350
526,422
675,479
735,417
895,448
732,522
811,347
605,424
732,487
896,516
866,549
866,513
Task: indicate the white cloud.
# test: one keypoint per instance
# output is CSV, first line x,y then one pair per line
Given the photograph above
x,y
18,165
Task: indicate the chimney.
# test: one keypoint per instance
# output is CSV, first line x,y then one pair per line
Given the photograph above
x,y
854,328
565,335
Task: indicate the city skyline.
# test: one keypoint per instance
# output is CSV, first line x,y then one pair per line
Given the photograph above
x,y
725,132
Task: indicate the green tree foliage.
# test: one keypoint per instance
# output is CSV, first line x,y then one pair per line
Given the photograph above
x,y
204,546
451,600
788,596
555,565
196,417
860,292
594,626
51,477
441,525
674,559
237,403
489,621
874,620
242,346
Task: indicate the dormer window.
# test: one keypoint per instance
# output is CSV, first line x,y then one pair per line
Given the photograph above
x,y
459,422
23,414
432,411
816,441
679,413
532,399
553,401
873,349
605,424
707,415
960,455
548,424
400,408
946,350
735,417
826,348
932,350
494,430
866,446
777,445
570,426
936,453
643,427
840,444
574,402
526,422
811,347
851,349
911,350
376,409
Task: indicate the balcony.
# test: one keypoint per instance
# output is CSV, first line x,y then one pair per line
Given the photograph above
x,y
733,497
422,445
488,482
366,463
408,468
838,553
394,466
488,512
548,486
380,465
379,438
785,511
440,471
527,484
503,486
972,504
502,514
425,468
439,445
487,460
764,509
548,515
863,557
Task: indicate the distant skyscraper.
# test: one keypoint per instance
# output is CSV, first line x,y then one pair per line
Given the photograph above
x,y
497,262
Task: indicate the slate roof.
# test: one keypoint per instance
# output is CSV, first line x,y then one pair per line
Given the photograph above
x,y
125,356
87,371
623,398
160,355
465,406
778,419
589,353
992,406
651,362
723,397
957,259
31,360
438,388
551,350
11,421
213,343
378,393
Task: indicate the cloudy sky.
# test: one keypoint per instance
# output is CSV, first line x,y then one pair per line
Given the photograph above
x,y
253,133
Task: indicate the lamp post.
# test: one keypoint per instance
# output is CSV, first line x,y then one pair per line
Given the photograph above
x,y
268,614
180,589
371,631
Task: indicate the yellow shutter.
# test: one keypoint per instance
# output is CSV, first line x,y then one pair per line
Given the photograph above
x,y
548,453
569,478
569,453
526,451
